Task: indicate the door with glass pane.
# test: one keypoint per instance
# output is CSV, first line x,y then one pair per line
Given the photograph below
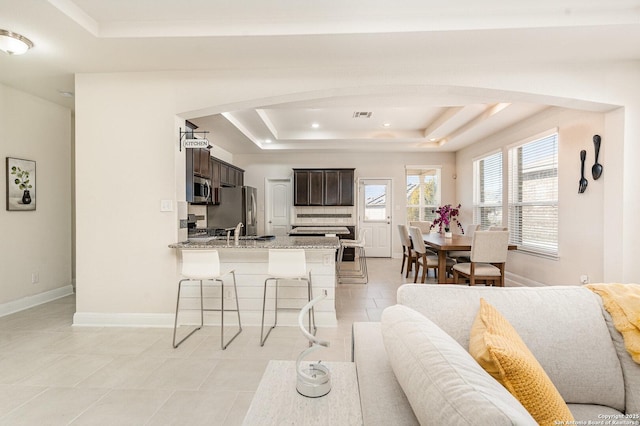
x,y
374,216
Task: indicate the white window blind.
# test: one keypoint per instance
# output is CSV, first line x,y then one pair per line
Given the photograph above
x,y
487,194
423,192
533,195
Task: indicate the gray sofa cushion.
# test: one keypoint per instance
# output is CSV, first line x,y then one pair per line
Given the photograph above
x,y
442,382
562,326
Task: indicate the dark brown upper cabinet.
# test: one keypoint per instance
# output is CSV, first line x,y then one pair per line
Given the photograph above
x,y
200,161
227,174
323,187
338,187
308,187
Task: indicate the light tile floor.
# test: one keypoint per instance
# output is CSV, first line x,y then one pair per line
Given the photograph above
x,y
54,374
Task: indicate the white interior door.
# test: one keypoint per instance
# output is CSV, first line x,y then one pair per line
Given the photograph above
x,y
277,206
374,215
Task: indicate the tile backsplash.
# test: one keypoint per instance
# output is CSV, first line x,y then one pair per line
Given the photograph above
x,y
323,215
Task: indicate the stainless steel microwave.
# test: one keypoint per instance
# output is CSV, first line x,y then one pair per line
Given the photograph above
x,y
201,190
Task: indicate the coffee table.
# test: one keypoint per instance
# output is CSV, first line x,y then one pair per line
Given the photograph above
x,y
277,402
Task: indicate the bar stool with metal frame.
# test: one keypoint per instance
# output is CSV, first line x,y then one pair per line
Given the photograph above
x,y
286,264
204,265
361,271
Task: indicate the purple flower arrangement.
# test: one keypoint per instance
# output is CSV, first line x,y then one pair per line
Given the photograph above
x,y
447,215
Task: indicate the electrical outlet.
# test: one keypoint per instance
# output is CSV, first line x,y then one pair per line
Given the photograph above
x,y
35,277
584,279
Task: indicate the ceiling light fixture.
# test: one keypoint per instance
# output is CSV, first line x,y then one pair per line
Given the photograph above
x,y
267,141
386,124
14,43
315,125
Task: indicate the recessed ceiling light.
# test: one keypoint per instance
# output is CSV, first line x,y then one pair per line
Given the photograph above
x,y
14,43
267,141
386,124
433,139
315,125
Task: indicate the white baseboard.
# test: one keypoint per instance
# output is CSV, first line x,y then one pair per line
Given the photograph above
x,y
34,300
91,319
514,280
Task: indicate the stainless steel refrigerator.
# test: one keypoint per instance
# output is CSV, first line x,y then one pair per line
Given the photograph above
x,y
237,204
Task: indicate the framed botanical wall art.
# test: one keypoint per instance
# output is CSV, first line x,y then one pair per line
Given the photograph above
x,y
21,184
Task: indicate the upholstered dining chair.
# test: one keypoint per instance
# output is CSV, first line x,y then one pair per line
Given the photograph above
x,y
424,257
408,254
498,228
488,256
464,255
424,225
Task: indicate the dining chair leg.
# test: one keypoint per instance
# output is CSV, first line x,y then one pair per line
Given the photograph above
x,y
411,258
404,258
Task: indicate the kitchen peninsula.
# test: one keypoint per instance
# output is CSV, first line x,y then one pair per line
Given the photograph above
x,y
249,258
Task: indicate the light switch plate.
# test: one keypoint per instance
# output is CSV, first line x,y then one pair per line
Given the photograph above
x,y
166,205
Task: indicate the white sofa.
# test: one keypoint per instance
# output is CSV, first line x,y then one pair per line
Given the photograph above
x,y
428,377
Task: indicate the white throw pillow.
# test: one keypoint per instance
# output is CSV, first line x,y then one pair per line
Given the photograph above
x,y
442,382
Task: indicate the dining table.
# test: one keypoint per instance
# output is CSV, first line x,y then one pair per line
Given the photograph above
x,y
441,244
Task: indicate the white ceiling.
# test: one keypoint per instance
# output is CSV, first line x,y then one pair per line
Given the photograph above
x,y
86,36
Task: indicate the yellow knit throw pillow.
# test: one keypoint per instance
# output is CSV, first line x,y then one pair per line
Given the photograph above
x,y
498,348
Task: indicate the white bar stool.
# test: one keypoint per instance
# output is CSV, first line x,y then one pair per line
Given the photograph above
x,y
201,265
286,264
360,257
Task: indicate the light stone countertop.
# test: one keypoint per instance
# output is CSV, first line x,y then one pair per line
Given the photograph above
x,y
279,242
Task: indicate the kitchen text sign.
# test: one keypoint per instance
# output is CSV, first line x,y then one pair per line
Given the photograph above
x,y
196,143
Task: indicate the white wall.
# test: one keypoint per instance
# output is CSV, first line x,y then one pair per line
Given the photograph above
x,y
127,161
127,153
36,241
580,237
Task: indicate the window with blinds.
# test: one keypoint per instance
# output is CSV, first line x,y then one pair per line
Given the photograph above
x,y
487,194
423,192
533,195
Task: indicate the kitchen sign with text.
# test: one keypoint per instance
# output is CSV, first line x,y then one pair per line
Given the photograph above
x,y
196,143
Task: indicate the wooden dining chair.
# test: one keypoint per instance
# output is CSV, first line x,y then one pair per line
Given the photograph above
x,y
488,257
408,255
424,257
